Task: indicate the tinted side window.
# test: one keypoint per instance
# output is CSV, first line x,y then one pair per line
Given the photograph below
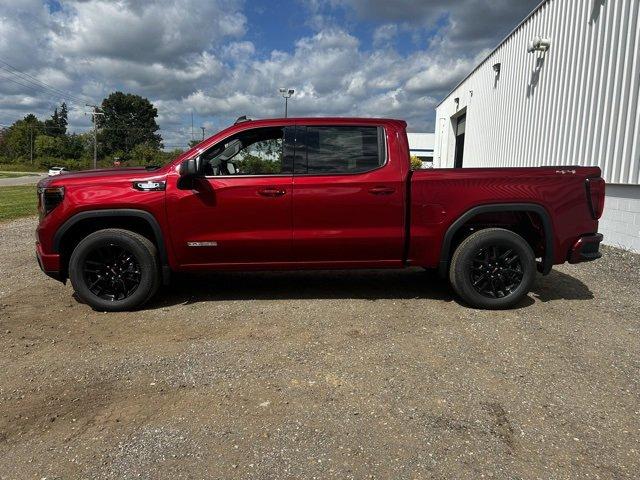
x,y
260,152
263,157
343,149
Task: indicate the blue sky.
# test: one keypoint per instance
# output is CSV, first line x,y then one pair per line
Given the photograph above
x,y
293,20
219,59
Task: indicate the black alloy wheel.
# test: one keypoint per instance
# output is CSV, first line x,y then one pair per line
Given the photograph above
x,y
115,269
493,268
111,272
496,271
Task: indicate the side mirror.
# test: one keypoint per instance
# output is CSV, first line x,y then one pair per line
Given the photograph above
x,y
189,170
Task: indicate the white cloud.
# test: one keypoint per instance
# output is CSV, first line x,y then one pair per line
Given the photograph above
x,y
167,31
197,55
384,34
156,80
438,76
239,51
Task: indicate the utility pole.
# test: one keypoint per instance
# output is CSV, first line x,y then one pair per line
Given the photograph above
x,y
95,133
192,125
202,133
286,94
31,143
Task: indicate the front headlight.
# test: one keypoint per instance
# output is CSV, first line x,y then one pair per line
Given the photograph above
x,y
49,198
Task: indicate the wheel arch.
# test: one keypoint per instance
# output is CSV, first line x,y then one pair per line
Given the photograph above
x,y
93,220
462,220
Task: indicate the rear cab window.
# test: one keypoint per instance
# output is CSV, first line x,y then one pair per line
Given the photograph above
x,y
335,150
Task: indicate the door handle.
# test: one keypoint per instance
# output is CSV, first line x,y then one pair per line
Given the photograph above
x,y
271,192
382,190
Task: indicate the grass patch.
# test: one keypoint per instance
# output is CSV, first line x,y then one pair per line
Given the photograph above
x,y
16,174
16,202
21,167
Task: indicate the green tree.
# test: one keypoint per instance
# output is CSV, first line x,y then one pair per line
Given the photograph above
x,y
255,165
20,137
416,163
56,126
145,154
85,140
74,146
69,147
128,120
3,139
48,146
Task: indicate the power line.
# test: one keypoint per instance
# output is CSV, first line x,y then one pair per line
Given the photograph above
x,y
27,85
37,83
27,80
38,90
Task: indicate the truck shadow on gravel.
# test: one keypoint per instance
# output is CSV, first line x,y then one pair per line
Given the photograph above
x,y
303,285
355,285
560,286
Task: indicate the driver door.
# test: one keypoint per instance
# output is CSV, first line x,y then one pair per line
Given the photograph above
x,y
239,211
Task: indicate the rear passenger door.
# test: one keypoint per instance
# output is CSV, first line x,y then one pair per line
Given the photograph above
x,y
348,197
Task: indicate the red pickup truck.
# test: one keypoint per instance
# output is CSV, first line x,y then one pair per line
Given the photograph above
x,y
314,193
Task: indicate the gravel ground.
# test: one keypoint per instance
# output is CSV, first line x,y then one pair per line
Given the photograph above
x,y
320,375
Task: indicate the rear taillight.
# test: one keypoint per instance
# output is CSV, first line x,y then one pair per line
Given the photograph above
x,y
49,198
595,196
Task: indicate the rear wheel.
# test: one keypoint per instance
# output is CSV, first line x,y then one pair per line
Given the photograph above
x,y
115,270
493,269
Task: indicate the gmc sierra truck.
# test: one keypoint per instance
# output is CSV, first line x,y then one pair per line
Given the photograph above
x,y
314,193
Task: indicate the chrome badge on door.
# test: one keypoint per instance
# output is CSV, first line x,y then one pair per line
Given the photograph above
x,y
202,244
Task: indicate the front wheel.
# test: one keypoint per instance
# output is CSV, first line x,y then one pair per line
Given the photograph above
x,y
115,270
493,269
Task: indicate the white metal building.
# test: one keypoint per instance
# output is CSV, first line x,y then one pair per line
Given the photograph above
x,y
573,100
421,146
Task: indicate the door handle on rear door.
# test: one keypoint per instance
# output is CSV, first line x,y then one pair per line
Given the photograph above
x,y
382,190
271,192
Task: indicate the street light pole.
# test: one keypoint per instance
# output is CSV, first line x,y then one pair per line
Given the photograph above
x,y
286,94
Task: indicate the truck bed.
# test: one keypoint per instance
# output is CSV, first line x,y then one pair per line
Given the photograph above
x,y
440,197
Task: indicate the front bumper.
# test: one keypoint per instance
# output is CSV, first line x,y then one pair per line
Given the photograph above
x,y
586,249
49,263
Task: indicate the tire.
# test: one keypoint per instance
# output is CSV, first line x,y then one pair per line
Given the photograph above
x,y
493,269
115,270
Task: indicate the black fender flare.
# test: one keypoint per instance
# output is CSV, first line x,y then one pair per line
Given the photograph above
x,y
118,213
547,261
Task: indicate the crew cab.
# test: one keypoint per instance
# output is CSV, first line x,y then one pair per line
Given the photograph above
x,y
314,193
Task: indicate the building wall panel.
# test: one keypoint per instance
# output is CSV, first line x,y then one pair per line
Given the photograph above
x,y
621,220
576,104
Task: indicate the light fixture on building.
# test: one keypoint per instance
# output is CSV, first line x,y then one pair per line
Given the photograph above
x,y
496,67
539,44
